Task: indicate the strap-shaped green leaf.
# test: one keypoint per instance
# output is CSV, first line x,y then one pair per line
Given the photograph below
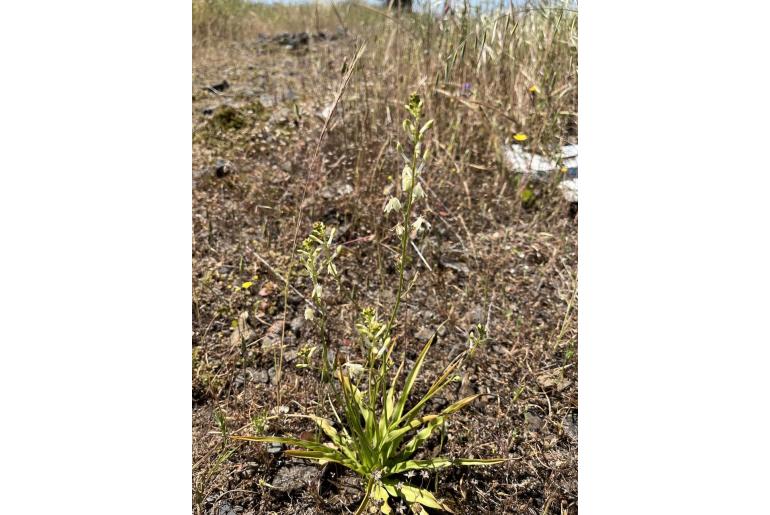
x,y
420,437
457,406
342,442
395,436
444,379
323,458
306,444
435,463
471,462
412,494
352,399
410,379
390,398
379,493
414,424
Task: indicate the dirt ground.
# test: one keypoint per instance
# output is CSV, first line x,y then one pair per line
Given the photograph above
x,y
493,259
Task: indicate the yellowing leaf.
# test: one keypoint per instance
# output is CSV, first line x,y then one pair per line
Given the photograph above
x,y
412,494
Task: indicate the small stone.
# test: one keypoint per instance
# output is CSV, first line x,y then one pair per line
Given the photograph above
x,y
570,425
260,376
291,478
554,378
266,100
533,422
455,265
424,334
475,316
274,448
438,403
268,289
297,323
224,508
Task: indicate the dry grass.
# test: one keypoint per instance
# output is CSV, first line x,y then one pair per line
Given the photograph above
x,y
491,256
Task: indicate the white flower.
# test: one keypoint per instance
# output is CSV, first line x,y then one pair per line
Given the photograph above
x,y
407,178
399,229
424,474
410,474
393,205
417,224
354,369
309,314
418,192
317,292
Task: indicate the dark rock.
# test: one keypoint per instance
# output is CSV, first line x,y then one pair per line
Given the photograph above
x,y
223,168
438,403
219,88
208,111
292,41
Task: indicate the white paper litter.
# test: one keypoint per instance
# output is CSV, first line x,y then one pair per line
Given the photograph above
x,y
539,167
